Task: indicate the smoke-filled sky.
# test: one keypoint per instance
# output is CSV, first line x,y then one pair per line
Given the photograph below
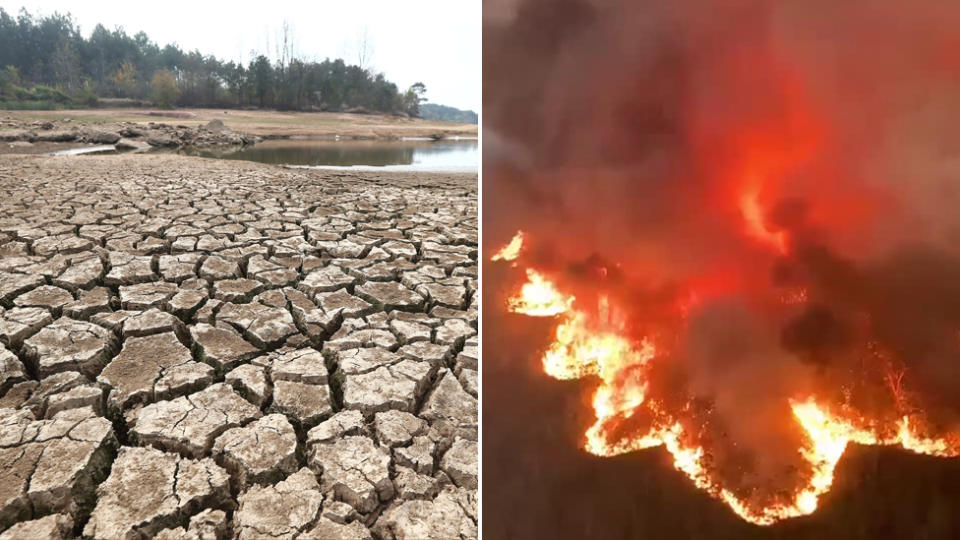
x,y
433,41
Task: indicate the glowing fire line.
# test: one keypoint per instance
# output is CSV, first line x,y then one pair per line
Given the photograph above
x,y
585,347
511,251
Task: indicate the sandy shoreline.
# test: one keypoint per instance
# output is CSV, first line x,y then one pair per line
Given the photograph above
x,y
240,338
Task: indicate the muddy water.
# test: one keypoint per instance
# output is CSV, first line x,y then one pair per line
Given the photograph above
x,y
408,155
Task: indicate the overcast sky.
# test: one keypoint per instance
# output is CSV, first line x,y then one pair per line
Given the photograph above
x,y
436,42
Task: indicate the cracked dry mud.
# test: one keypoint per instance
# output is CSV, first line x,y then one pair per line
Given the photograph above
x,y
206,349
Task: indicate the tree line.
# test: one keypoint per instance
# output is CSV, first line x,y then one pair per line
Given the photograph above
x,y
46,60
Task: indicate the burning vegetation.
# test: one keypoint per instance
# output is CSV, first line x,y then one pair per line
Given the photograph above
x,y
743,221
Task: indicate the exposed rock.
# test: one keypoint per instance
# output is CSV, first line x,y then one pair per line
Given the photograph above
x,y
49,386
412,485
342,304
102,137
189,424
221,346
264,326
460,463
76,398
179,267
11,370
468,379
127,269
417,456
450,404
18,324
261,452
148,490
12,285
339,512
307,403
81,274
393,386
162,140
326,529
52,527
326,279
152,321
396,428
391,295
443,517
207,525
47,297
53,465
96,300
353,470
250,381
341,424
131,144
215,268
146,295
236,290
67,344
298,365
133,374
280,511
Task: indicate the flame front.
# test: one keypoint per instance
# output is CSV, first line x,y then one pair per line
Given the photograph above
x,y
596,343
511,251
540,298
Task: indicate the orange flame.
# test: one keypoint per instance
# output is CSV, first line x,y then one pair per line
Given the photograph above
x,y
756,224
596,346
539,298
511,251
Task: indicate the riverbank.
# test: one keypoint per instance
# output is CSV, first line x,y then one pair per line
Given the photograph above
x,y
301,341
259,123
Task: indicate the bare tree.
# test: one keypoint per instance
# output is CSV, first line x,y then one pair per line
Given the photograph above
x,y
284,44
364,48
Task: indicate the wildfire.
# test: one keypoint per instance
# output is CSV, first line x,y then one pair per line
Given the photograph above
x,y
511,251
757,226
594,343
539,298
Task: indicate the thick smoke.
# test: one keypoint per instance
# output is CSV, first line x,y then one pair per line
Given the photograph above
x,y
727,155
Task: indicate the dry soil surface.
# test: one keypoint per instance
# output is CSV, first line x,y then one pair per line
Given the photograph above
x,y
266,123
194,348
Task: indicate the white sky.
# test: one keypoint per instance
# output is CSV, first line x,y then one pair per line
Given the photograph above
x,y
436,42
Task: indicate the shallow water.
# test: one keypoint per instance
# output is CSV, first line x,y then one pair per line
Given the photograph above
x,y
85,150
404,155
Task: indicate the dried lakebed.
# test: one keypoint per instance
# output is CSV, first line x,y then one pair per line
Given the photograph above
x,y
195,348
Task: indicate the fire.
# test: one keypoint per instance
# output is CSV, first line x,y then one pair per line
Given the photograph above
x,y
539,298
510,251
757,226
595,343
